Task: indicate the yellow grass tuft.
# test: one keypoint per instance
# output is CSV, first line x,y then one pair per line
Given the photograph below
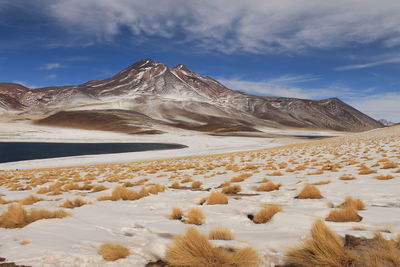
x,y
266,213
231,189
276,173
24,242
269,186
323,248
176,214
113,252
240,177
17,217
193,249
195,216
309,191
196,184
217,198
175,185
221,233
29,200
98,188
348,214
346,177
70,204
390,165
357,204
321,182
385,177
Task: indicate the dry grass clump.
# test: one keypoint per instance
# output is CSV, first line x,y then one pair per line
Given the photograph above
x,y
156,188
17,217
347,177
309,192
121,192
29,200
323,248
231,189
98,188
113,252
175,185
71,204
195,216
390,165
269,186
321,182
196,184
24,242
348,214
217,198
221,233
240,177
364,170
193,249
176,214
385,177
275,173
357,204
266,213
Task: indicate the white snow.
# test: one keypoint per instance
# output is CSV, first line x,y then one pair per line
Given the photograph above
x,y
142,225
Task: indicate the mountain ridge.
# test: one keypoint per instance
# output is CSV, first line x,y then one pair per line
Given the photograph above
x,y
178,97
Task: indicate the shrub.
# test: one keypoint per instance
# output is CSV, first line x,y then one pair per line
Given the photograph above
x,y
175,185
350,202
323,248
348,214
268,187
196,184
390,165
98,188
221,233
17,217
176,214
309,191
70,204
321,182
240,177
29,200
385,177
231,189
217,198
266,213
194,250
276,173
113,252
195,216
156,188
346,177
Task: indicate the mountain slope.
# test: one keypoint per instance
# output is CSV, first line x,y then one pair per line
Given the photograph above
x,y
176,97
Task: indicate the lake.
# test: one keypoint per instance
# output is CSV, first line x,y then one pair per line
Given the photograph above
x,y
17,151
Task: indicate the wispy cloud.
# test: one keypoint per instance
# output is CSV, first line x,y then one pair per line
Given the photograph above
x,y
379,106
286,86
256,26
51,77
369,64
52,66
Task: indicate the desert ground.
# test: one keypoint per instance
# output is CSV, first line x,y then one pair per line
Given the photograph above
x,y
147,207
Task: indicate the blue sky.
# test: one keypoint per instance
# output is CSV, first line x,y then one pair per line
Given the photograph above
x,y
315,49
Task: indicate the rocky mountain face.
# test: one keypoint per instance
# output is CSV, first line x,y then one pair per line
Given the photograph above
x,y
150,97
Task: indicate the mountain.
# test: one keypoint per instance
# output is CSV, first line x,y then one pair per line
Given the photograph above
x,y
150,97
386,122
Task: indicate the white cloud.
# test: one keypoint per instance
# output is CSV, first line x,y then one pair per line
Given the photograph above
x,y
257,26
286,86
379,106
52,66
51,77
369,65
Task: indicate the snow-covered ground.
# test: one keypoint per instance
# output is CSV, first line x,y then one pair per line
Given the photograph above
x,y
143,226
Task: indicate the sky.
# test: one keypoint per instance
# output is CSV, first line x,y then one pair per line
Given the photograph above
x,y
313,49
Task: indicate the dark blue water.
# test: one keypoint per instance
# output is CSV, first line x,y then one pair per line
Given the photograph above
x,y
313,136
16,151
